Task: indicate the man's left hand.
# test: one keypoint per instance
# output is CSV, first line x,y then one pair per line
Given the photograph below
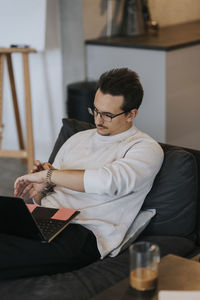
x,y
33,183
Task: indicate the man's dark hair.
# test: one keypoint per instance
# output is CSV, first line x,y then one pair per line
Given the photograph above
x,y
122,82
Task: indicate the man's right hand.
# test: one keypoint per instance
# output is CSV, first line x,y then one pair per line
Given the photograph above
x,y
38,166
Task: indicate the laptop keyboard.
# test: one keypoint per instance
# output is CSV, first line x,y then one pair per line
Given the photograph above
x,y
49,226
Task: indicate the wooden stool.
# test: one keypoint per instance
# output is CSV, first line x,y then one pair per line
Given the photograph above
x,y
27,152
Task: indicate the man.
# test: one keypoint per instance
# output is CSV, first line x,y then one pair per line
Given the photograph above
x,y
105,173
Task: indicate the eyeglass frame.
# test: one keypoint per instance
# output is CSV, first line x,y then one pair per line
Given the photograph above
x,y
92,110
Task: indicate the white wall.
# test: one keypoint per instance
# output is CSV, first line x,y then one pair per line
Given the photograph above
x,y
23,21
46,89
183,90
171,12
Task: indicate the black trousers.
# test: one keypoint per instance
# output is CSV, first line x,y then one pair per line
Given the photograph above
x,y
73,248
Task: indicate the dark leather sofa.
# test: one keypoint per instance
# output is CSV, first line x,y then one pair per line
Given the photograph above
x,y
175,228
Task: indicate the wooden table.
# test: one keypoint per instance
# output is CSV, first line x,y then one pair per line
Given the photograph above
x,y
175,273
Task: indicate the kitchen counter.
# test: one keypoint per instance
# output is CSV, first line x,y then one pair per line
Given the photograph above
x,y
166,39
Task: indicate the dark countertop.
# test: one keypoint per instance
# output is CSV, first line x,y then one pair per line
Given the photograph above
x,y
166,39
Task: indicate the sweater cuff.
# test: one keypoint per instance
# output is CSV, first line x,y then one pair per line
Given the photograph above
x,y
91,182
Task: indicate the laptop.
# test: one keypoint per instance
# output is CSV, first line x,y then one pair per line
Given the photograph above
x,y
31,220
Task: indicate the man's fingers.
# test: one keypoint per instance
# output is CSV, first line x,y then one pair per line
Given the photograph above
x,y
32,193
19,186
22,184
47,166
26,189
34,169
37,167
18,181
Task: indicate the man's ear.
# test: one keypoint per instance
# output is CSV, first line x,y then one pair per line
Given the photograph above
x,y
132,114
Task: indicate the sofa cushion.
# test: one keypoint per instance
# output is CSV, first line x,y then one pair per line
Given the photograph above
x,y
140,223
174,196
196,153
180,246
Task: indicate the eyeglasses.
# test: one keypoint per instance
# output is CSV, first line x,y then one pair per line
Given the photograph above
x,y
107,117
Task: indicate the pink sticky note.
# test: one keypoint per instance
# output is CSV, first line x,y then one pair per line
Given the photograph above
x,y
31,207
63,214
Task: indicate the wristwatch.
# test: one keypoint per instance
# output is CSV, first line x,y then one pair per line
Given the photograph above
x,y
49,189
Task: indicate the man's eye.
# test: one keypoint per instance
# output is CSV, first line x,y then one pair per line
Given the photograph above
x,y
108,115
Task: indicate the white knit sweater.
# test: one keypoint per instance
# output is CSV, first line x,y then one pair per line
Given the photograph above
x,y
119,172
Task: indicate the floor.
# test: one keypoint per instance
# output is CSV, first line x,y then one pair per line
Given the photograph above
x,y
10,169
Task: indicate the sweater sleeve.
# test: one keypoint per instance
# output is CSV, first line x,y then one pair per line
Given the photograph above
x,y
130,173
